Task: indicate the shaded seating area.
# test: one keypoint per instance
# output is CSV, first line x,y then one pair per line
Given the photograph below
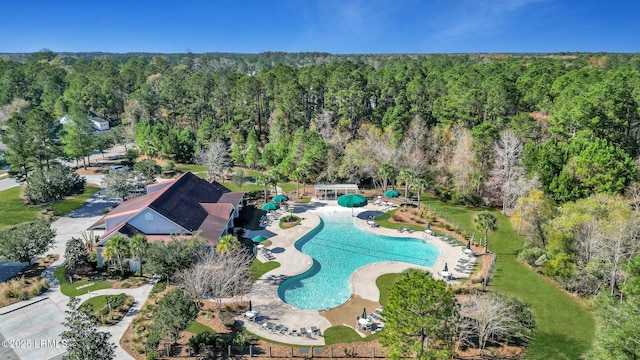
x,y
332,191
274,327
465,266
372,323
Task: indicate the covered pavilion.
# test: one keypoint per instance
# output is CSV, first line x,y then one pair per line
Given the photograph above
x,y
320,190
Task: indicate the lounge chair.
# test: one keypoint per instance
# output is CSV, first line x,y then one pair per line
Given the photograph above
x,y
315,330
410,229
303,332
401,229
284,330
269,325
276,329
260,320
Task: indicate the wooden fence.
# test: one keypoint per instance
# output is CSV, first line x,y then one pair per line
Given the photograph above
x,y
487,276
279,352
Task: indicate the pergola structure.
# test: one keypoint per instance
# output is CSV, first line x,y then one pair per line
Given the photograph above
x,y
324,188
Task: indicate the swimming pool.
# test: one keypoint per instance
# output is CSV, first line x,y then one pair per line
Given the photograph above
x,y
338,247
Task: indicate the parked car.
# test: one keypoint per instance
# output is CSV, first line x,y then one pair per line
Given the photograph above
x,y
119,168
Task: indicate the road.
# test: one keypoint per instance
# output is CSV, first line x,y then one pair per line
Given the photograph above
x,y
91,179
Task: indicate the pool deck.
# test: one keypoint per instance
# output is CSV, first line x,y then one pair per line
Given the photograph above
x,y
264,292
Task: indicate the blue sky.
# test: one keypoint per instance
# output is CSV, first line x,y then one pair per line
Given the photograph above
x,y
335,26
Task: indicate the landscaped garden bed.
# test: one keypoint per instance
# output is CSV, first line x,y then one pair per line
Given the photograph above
x,y
108,309
27,283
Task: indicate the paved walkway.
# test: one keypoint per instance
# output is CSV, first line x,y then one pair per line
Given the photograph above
x,y
264,293
50,306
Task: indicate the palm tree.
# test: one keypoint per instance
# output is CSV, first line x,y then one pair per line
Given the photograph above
x,y
266,181
117,249
386,173
485,222
420,185
139,247
407,177
227,242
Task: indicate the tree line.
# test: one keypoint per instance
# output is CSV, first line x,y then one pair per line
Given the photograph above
x,y
552,139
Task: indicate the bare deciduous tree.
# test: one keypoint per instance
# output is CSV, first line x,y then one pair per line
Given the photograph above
x,y
489,317
506,174
218,275
216,159
461,165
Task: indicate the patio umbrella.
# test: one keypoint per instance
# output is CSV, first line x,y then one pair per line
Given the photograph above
x,y
280,198
469,245
259,238
352,201
269,206
364,313
391,193
250,307
446,268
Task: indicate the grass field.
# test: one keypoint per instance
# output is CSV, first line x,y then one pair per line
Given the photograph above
x,y
384,284
345,334
72,203
79,287
246,187
13,210
198,328
196,169
565,329
258,268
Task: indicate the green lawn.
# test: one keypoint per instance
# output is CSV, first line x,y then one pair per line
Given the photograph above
x,y
13,210
289,186
246,187
72,203
258,268
384,284
345,334
192,168
565,329
79,287
248,172
198,328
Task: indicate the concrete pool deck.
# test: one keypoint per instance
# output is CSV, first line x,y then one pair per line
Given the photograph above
x,y
264,292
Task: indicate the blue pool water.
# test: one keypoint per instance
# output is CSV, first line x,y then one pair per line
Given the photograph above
x,y
338,247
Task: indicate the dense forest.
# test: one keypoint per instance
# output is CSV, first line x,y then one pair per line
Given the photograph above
x,y
554,139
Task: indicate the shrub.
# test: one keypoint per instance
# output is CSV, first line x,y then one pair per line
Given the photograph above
x,y
205,338
153,340
52,184
158,287
22,294
227,319
530,255
240,340
541,260
152,355
9,291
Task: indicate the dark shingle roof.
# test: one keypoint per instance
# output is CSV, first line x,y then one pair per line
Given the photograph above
x,y
190,202
180,202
